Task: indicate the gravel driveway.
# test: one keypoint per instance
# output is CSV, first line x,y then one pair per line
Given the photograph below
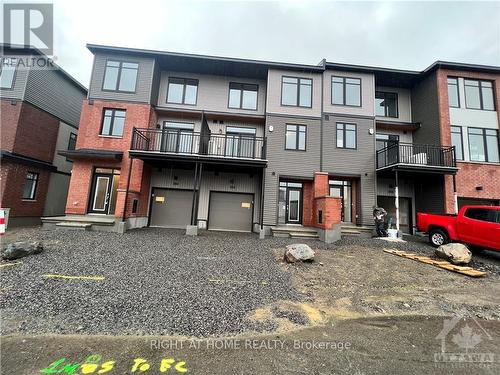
x,y
157,281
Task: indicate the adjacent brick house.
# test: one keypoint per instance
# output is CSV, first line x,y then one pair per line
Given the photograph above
x,y
39,113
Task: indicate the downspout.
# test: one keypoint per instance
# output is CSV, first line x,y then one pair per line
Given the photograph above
x,y
262,192
321,120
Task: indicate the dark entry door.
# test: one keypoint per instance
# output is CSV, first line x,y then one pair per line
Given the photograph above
x,y
101,193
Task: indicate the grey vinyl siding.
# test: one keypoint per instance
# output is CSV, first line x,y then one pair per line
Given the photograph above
x,y
57,193
358,162
50,91
213,93
155,87
226,182
144,82
288,163
426,111
19,86
404,104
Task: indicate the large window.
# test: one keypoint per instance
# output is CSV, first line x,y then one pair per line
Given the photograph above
x,y
120,76
346,135
7,73
182,91
346,91
30,186
240,142
479,94
295,137
483,145
386,104
456,140
242,95
178,137
384,140
113,122
296,92
453,96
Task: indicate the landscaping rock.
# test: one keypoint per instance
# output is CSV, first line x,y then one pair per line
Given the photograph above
x,y
298,252
456,253
18,250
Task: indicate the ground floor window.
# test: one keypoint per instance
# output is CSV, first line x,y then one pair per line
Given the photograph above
x,y
30,185
343,189
456,140
104,191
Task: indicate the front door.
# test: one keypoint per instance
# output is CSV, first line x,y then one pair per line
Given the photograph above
x,y
104,191
290,203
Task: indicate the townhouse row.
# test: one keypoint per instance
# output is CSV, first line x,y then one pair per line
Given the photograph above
x,y
190,141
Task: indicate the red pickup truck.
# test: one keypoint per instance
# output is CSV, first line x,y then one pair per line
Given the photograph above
x,y
477,226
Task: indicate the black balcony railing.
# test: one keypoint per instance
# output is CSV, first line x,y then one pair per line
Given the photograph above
x,y
186,142
416,155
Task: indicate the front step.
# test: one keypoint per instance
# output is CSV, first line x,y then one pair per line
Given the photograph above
x,y
294,232
74,225
304,235
359,231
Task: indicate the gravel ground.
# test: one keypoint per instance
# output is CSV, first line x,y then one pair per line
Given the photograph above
x,y
157,281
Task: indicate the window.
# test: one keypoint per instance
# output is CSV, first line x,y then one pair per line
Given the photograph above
x,y
182,91
72,141
296,91
386,104
243,96
483,145
7,73
113,122
240,142
120,76
483,214
456,140
178,137
346,135
479,95
346,91
295,137
384,140
29,191
453,96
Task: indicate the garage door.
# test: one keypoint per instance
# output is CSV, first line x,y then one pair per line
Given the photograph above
x,y
171,208
230,211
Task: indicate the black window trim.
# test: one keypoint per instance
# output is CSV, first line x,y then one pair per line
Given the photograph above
x,y
461,140
118,79
385,106
344,133
112,123
11,88
384,140
481,104
183,90
297,132
37,180
458,91
344,91
298,92
69,143
241,95
485,144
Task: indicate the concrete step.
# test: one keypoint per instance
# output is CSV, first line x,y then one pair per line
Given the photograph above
x,y
304,235
74,225
89,219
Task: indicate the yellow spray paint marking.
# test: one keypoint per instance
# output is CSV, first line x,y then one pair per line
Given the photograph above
x,y
10,264
94,278
220,281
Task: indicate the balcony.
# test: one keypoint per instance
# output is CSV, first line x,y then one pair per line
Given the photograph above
x,y
416,157
186,144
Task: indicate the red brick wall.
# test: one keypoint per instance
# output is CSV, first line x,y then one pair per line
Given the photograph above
x,y
331,208
308,201
321,187
469,175
9,117
13,179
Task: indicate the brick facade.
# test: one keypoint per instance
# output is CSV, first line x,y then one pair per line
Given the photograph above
x,y
470,174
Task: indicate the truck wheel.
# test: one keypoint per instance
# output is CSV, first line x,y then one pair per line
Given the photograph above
x,y
438,237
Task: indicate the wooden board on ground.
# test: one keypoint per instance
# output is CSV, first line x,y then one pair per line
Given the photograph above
x,y
438,263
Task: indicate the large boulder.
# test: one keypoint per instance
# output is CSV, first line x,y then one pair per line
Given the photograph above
x,y
455,253
298,253
18,250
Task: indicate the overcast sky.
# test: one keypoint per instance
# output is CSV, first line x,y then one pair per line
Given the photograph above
x,y
406,35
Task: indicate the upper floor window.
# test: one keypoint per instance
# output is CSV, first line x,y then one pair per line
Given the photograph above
x,y
242,95
295,137
453,95
346,91
182,91
479,94
346,135
296,91
456,140
29,191
72,141
120,76
483,145
113,122
386,104
7,73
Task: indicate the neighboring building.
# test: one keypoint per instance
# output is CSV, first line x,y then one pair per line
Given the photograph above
x,y
178,140
40,112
